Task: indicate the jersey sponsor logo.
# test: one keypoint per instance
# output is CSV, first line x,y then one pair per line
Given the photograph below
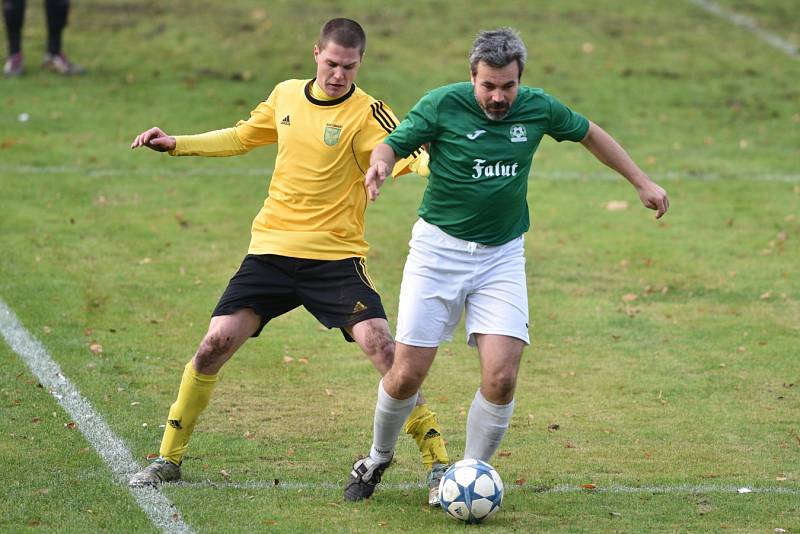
x,y
175,423
286,121
499,168
517,134
474,135
332,133
359,307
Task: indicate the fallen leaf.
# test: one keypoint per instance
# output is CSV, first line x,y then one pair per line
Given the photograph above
x,y
70,425
288,359
553,426
329,392
520,482
589,486
766,295
616,205
151,456
629,297
36,420
249,435
96,347
569,445
224,474
303,360
504,454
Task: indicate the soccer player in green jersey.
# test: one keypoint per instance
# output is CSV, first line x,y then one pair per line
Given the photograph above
x,y
466,250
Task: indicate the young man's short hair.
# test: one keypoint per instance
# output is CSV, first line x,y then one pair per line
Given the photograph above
x,y
344,32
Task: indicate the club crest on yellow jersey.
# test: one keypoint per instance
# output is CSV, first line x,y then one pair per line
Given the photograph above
x,y
332,133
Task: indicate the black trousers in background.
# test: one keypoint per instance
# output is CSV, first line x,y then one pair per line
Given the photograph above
x,y
14,15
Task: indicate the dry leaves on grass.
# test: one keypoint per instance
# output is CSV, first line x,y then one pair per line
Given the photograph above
x,y
96,347
616,205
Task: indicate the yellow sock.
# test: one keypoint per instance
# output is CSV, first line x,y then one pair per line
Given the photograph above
x,y
424,428
193,397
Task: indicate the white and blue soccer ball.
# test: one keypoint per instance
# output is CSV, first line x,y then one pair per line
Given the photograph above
x,y
471,490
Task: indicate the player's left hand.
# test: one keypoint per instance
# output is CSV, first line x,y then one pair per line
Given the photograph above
x,y
654,196
373,180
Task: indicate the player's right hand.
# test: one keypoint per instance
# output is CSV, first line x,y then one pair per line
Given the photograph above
x,y
373,180
155,139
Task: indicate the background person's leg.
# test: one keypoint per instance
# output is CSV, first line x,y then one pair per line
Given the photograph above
x,y
14,17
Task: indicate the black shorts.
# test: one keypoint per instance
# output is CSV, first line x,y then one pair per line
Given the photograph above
x,y
337,292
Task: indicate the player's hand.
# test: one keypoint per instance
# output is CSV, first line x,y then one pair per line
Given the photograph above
x,y
155,139
653,196
376,175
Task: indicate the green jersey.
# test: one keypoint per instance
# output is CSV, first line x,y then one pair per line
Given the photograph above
x,y
478,183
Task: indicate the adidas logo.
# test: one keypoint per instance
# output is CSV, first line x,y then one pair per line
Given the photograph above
x,y
286,121
175,423
432,433
359,307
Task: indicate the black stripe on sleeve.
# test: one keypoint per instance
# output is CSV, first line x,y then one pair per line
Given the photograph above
x,y
386,115
380,118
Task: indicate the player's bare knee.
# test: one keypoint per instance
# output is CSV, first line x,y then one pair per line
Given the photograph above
x,y
408,379
213,351
501,386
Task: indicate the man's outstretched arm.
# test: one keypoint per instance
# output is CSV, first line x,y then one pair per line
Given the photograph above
x,y
381,163
608,151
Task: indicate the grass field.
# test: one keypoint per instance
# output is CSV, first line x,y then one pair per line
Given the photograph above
x,y
666,352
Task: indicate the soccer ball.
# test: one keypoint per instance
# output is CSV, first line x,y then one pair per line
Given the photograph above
x,y
471,490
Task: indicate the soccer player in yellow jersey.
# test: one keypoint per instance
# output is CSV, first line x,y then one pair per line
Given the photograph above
x,y
307,246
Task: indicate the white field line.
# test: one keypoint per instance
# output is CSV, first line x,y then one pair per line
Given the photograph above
x,y
682,489
750,25
163,514
266,172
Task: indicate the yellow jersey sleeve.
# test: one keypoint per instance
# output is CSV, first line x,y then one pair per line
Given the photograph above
x,y
260,128
217,143
380,122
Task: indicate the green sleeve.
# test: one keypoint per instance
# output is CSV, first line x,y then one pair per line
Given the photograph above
x,y
416,129
565,124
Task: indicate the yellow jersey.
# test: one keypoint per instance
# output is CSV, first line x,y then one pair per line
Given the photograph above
x,y
316,201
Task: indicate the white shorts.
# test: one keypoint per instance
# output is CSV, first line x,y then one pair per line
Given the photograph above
x,y
445,275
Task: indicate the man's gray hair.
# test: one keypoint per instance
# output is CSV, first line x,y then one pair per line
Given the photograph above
x,y
498,48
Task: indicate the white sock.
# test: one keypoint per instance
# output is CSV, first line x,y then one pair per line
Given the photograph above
x,y
390,414
486,425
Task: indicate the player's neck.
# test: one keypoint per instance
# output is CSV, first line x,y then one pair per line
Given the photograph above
x,y
318,93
